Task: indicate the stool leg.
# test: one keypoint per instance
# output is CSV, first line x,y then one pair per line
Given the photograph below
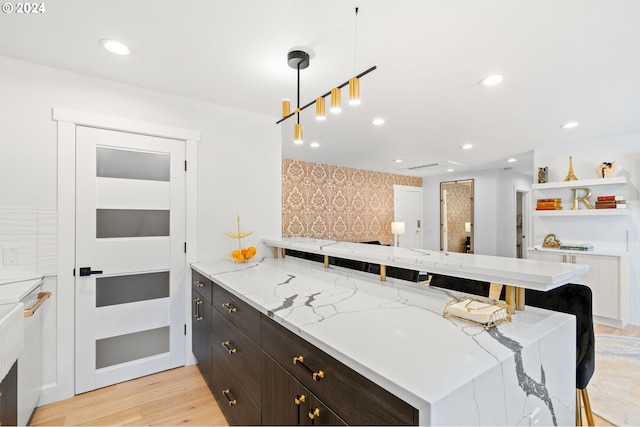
x,y
578,408
587,406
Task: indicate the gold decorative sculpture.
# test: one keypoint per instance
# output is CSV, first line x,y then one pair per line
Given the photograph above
x,y
551,241
241,254
571,176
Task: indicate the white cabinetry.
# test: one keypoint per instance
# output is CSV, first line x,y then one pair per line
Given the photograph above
x,y
607,278
608,264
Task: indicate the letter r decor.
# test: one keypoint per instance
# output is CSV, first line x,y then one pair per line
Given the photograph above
x,y
581,198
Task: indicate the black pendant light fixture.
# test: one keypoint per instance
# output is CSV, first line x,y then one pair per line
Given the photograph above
x,y
299,60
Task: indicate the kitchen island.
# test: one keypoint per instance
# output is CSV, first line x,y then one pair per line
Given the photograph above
x,y
393,334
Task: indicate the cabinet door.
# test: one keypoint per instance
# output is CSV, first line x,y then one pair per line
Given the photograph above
x,y
603,278
282,395
201,334
9,397
287,402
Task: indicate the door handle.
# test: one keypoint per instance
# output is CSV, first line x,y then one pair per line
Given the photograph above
x,y
87,271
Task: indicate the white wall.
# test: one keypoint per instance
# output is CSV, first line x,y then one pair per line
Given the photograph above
x,y
239,160
494,206
617,233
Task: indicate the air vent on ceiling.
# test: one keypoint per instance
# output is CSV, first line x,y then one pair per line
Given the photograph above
x,y
431,165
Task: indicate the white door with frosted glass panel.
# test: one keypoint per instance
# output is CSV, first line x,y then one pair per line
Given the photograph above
x,y
130,260
407,208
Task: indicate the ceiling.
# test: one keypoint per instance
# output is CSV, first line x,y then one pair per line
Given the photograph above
x,y
569,60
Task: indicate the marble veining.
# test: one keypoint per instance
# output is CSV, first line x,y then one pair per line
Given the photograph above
x,y
526,273
395,335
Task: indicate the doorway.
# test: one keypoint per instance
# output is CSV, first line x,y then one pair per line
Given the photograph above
x,y
165,317
407,209
521,222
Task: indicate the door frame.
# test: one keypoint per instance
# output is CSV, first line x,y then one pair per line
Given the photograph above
x,y
526,217
67,121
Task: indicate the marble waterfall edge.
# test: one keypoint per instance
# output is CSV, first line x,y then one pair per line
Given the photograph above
x,y
454,373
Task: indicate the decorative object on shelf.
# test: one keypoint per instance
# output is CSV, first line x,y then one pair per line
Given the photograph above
x,y
607,169
611,202
299,60
543,175
551,241
397,228
584,198
553,204
241,254
571,176
477,312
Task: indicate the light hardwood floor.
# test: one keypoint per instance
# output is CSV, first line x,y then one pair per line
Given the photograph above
x,y
171,398
176,397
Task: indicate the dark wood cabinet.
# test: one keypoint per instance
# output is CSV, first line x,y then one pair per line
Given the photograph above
x,y
287,402
201,333
9,397
262,373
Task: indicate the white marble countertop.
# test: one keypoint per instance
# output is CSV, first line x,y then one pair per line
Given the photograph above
x,y
15,291
393,333
523,273
603,252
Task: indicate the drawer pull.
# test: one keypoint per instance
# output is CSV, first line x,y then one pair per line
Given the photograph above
x,y
226,394
227,345
300,398
315,413
197,314
229,307
198,284
317,376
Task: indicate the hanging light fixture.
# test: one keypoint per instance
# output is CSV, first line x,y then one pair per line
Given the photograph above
x,y
320,109
354,82
299,60
336,101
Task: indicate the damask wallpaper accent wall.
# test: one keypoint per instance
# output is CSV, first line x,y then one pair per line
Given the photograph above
x,y
337,203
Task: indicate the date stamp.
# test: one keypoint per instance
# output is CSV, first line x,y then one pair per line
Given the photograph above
x,y
23,8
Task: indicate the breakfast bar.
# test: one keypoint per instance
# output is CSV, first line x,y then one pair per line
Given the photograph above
x,y
517,274
393,336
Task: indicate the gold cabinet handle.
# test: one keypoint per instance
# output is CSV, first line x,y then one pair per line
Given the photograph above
x,y
299,399
226,394
315,375
229,307
42,297
198,284
227,345
314,413
197,314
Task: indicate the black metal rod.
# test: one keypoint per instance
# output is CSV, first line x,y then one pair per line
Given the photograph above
x,y
364,73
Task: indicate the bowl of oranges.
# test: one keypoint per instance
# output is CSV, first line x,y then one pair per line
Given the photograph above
x,y
243,254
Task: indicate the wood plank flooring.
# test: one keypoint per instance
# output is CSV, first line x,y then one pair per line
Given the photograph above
x,y
176,397
172,398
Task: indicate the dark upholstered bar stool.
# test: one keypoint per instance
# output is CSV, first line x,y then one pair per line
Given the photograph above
x,y
577,300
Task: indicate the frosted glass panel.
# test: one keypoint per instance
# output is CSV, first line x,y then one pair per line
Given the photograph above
x,y
132,164
131,288
131,223
125,348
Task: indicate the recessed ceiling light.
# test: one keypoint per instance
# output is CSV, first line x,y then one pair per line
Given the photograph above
x,y
314,145
511,160
450,170
378,121
115,47
467,146
493,80
398,160
569,125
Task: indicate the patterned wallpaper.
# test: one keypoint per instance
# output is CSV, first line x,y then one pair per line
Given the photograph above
x,y
459,209
338,203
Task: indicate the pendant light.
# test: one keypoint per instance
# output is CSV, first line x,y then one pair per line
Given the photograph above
x,y
354,82
299,60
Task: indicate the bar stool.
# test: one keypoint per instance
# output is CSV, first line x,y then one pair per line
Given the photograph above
x,y
577,300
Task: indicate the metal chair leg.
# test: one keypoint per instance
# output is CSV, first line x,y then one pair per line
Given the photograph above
x,y
587,406
578,408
